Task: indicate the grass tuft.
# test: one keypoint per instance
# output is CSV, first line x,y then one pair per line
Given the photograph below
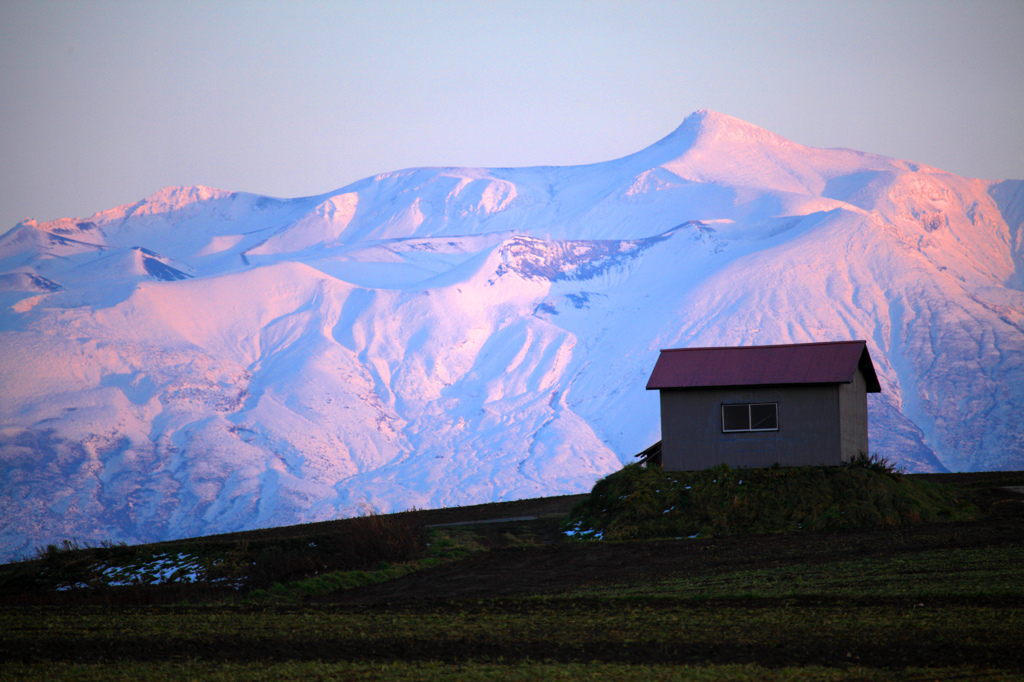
x,y
648,502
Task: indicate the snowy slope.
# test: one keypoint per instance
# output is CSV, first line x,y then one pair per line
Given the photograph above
x,y
205,361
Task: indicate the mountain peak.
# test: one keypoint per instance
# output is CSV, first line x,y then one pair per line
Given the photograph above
x,y
706,128
711,147
708,116
174,198
163,201
713,136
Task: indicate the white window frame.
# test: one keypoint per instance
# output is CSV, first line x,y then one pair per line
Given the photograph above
x,y
750,419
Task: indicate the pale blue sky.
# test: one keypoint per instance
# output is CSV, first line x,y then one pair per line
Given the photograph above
x,y
103,103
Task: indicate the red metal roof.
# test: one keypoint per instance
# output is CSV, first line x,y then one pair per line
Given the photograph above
x,y
796,363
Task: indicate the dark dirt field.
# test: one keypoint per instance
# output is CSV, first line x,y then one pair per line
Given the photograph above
x,y
485,606
511,571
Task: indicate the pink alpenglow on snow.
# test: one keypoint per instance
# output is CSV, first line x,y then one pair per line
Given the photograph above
x,y
206,361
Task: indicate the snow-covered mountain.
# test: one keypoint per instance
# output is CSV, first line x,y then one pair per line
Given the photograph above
x,y
206,361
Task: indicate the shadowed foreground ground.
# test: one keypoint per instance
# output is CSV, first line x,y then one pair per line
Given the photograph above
x,y
935,601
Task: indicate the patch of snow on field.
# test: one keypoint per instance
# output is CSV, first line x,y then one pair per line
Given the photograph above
x,y
160,569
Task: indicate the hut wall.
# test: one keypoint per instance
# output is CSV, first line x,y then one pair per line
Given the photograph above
x,y
808,433
853,408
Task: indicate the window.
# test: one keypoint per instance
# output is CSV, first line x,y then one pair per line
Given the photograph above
x,y
750,417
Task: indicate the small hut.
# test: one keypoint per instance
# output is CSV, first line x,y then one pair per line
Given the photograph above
x,y
756,406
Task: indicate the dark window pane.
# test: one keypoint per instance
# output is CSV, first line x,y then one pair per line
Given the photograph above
x,y
735,418
763,417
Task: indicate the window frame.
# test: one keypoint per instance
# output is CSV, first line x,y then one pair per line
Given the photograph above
x,y
750,419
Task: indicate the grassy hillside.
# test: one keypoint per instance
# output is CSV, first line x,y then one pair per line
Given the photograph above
x,y
641,502
632,504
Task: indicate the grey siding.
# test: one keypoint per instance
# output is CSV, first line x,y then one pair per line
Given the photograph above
x,y
853,406
809,428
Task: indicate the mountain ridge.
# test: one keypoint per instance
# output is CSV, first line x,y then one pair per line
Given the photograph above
x,y
205,361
